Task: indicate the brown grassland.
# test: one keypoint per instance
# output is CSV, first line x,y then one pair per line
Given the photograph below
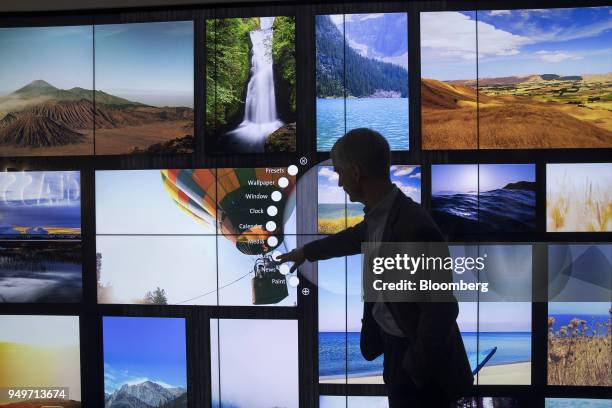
x,y
124,140
533,114
580,355
579,209
333,225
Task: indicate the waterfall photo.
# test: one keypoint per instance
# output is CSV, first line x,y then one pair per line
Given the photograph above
x,y
250,85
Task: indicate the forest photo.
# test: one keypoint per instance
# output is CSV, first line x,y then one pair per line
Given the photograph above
x,y
250,85
362,76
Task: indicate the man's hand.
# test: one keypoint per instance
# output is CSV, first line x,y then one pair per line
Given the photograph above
x,y
296,256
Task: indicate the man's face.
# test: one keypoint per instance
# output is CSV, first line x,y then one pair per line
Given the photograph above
x,y
348,179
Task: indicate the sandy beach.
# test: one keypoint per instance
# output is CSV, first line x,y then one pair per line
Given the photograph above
x,y
514,374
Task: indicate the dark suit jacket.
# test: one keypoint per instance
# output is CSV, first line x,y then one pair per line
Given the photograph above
x,y
436,352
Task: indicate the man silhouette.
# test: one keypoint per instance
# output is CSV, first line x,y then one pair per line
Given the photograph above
x,y
425,363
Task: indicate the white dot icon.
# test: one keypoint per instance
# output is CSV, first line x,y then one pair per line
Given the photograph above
x,y
292,170
272,241
275,255
270,226
284,269
294,281
272,211
283,182
276,196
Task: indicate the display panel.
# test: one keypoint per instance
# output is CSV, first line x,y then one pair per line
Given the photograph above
x,y
270,379
579,197
577,402
251,85
46,97
144,88
215,228
544,78
340,401
579,333
362,76
448,80
40,352
516,79
40,237
141,367
335,211
470,198
485,323
173,270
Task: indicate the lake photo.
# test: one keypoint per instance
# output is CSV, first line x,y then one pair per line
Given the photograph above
x,y
362,76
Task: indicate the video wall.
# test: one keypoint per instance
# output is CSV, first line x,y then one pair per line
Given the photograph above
x,y
154,164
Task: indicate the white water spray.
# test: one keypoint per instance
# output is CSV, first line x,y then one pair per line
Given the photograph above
x,y
260,115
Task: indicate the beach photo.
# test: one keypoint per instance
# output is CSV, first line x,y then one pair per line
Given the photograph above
x,y
579,197
40,352
336,212
143,369
483,198
144,88
543,79
270,379
46,91
362,76
251,85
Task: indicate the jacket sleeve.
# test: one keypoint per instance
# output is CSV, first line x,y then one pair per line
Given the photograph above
x,y
344,243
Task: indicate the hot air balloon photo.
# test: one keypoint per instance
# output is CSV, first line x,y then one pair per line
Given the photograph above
x,y
216,230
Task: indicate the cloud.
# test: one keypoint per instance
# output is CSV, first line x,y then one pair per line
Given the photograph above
x,y
371,16
453,34
328,173
557,56
500,12
399,171
417,175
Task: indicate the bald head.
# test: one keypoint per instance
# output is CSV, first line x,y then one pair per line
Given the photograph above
x,y
366,149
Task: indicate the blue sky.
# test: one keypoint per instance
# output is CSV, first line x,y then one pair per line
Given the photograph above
x,y
137,349
463,178
588,308
33,199
386,39
150,63
516,42
135,202
406,177
62,56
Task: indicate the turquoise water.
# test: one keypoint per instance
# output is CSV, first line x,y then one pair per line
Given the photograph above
x,y
389,116
339,351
